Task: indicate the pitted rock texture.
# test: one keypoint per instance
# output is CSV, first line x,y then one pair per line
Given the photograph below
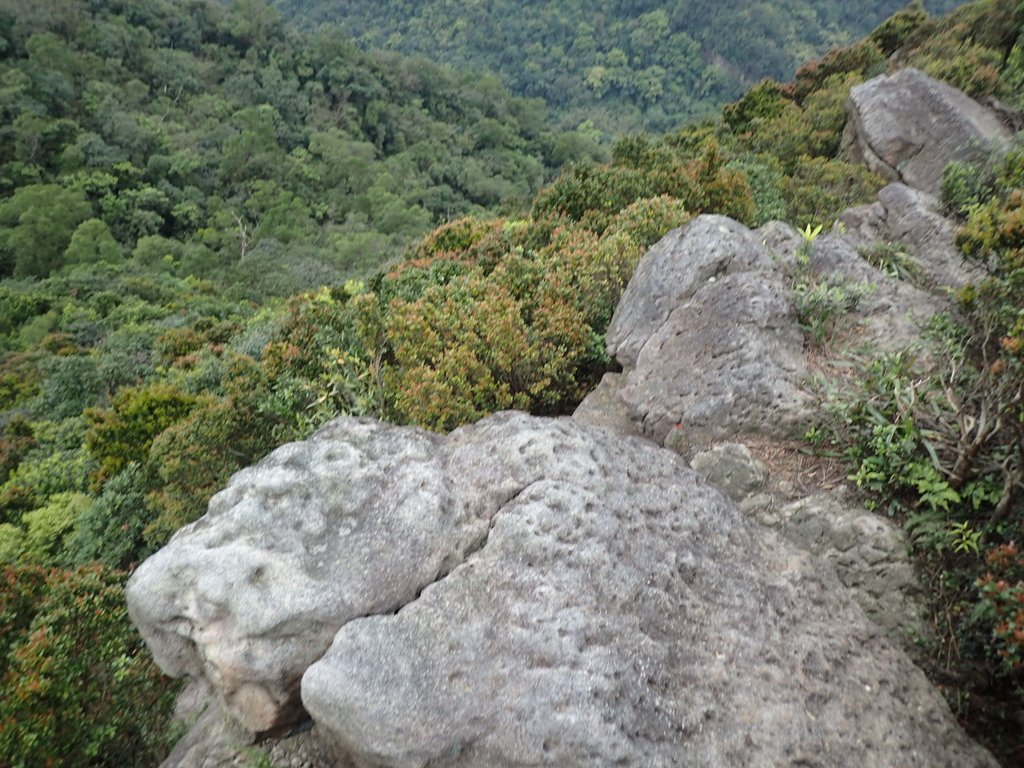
x,y
868,552
907,127
247,596
914,219
586,600
732,470
708,340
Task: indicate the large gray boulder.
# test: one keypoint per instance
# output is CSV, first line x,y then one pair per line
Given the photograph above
x,y
526,592
249,595
869,554
708,340
907,127
890,313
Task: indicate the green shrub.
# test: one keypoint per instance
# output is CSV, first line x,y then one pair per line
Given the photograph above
x,y
863,59
892,259
764,173
963,186
647,220
58,461
70,385
192,459
125,431
893,33
759,105
47,528
110,530
1001,604
820,189
79,688
821,304
16,441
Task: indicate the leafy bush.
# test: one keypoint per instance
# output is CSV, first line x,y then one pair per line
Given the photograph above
x,y
193,458
47,528
80,689
58,461
893,33
70,385
759,105
649,219
1001,604
696,175
110,530
819,189
821,304
125,431
863,59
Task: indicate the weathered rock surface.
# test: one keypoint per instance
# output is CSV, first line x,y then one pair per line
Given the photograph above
x,y
604,408
731,469
706,334
907,127
868,552
890,313
247,596
914,219
527,592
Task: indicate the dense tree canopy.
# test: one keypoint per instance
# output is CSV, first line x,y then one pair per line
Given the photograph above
x,y
619,66
222,131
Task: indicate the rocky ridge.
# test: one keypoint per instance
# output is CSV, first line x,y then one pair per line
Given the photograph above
x,y
549,594
555,592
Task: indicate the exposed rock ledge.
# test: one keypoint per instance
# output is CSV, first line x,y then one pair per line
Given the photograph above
x,y
907,127
526,592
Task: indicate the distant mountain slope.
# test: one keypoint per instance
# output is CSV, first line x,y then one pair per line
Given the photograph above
x,y
224,131
623,65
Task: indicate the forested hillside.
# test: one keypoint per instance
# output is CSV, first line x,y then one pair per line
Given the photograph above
x,y
169,173
195,207
615,67
222,132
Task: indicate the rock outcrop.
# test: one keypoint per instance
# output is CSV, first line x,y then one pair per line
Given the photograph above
x,y
710,344
913,219
868,552
708,339
529,592
526,592
907,127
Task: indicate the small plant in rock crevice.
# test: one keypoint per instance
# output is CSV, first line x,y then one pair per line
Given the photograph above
x,y
820,304
892,260
819,301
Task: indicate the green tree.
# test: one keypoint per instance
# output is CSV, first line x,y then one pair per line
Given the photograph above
x,y
36,227
80,690
92,242
125,431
